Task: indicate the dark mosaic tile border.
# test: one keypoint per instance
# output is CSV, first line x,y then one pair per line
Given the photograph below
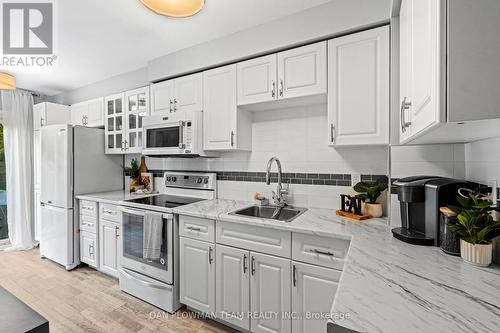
x,y
288,177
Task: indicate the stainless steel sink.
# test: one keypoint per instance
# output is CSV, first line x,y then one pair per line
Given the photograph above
x,y
285,214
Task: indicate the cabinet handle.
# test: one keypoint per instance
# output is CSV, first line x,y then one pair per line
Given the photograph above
x,y
232,138
122,149
253,265
117,234
91,246
273,91
322,252
41,122
83,120
294,273
332,133
281,88
125,143
210,259
175,104
171,105
404,106
107,211
194,229
245,264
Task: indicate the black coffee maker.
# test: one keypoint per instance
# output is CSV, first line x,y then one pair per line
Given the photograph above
x,y
420,198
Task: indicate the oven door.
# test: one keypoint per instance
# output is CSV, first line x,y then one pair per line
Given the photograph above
x,y
163,138
147,245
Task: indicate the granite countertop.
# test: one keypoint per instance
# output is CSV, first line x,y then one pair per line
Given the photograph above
x,y
113,197
388,285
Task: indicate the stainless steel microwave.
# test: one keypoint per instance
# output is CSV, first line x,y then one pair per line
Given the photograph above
x,y
175,136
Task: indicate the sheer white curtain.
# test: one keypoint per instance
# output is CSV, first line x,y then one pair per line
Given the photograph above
x,y
16,116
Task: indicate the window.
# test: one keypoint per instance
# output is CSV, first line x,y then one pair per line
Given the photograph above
x,y
4,232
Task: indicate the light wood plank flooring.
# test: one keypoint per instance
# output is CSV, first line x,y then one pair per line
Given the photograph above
x,y
85,300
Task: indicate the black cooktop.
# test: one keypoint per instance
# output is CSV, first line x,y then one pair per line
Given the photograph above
x,y
164,200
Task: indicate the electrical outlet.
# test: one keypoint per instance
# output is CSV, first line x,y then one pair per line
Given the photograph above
x,y
355,178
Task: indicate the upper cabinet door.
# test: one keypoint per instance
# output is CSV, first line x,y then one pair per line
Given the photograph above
x,y
114,128
219,108
38,115
78,113
270,292
95,113
358,98
257,80
188,93
162,97
302,71
137,107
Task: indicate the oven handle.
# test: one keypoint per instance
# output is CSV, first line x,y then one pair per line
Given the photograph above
x,y
130,275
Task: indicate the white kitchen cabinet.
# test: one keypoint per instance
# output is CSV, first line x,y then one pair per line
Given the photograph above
x,y
109,247
233,285
302,71
270,292
88,248
449,71
224,126
197,274
137,107
313,291
257,80
358,81
88,113
177,95
114,136
50,113
298,72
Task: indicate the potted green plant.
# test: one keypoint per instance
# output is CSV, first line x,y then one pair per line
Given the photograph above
x,y
133,171
369,192
476,228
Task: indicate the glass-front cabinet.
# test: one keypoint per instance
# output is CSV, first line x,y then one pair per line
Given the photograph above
x,y
137,105
114,125
124,115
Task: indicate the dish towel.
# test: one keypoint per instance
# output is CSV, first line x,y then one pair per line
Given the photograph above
x,y
152,236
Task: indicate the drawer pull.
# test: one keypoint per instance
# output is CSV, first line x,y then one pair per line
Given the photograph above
x,y
193,229
322,252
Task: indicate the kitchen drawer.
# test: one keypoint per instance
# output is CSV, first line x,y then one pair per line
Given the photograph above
x,y
253,238
197,228
109,212
88,223
88,208
321,251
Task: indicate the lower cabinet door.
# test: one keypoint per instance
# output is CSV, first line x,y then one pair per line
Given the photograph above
x,y
88,248
109,247
233,286
270,288
313,291
197,274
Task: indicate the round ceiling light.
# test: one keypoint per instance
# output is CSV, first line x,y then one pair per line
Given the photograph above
x,y
174,8
7,81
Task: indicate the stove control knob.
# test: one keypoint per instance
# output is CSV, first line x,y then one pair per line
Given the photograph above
x,y
174,179
168,179
205,181
199,180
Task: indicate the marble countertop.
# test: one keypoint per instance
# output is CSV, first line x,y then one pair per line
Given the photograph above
x,y
388,285
112,197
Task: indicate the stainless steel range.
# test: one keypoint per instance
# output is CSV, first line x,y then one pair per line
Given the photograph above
x,y
150,253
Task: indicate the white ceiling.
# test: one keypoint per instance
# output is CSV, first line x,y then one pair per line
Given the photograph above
x,y
99,39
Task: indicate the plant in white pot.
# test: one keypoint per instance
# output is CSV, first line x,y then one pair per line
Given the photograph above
x,y
476,228
369,192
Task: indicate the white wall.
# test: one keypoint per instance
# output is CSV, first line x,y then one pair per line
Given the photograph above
x,y
328,20
482,160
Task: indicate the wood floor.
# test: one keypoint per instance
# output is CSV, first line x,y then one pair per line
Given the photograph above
x,y
85,300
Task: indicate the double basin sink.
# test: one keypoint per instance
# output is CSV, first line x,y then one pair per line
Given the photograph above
x,y
284,214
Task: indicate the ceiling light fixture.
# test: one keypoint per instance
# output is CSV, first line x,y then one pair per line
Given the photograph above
x,y
7,81
174,8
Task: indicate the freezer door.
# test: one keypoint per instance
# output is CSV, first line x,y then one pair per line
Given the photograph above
x,y
57,234
57,166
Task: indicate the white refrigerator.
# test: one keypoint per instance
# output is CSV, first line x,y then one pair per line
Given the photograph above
x,y
73,163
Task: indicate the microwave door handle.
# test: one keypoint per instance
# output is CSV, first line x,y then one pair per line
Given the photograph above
x,y
181,135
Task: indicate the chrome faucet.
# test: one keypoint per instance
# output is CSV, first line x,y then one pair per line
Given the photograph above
x,y
278,196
